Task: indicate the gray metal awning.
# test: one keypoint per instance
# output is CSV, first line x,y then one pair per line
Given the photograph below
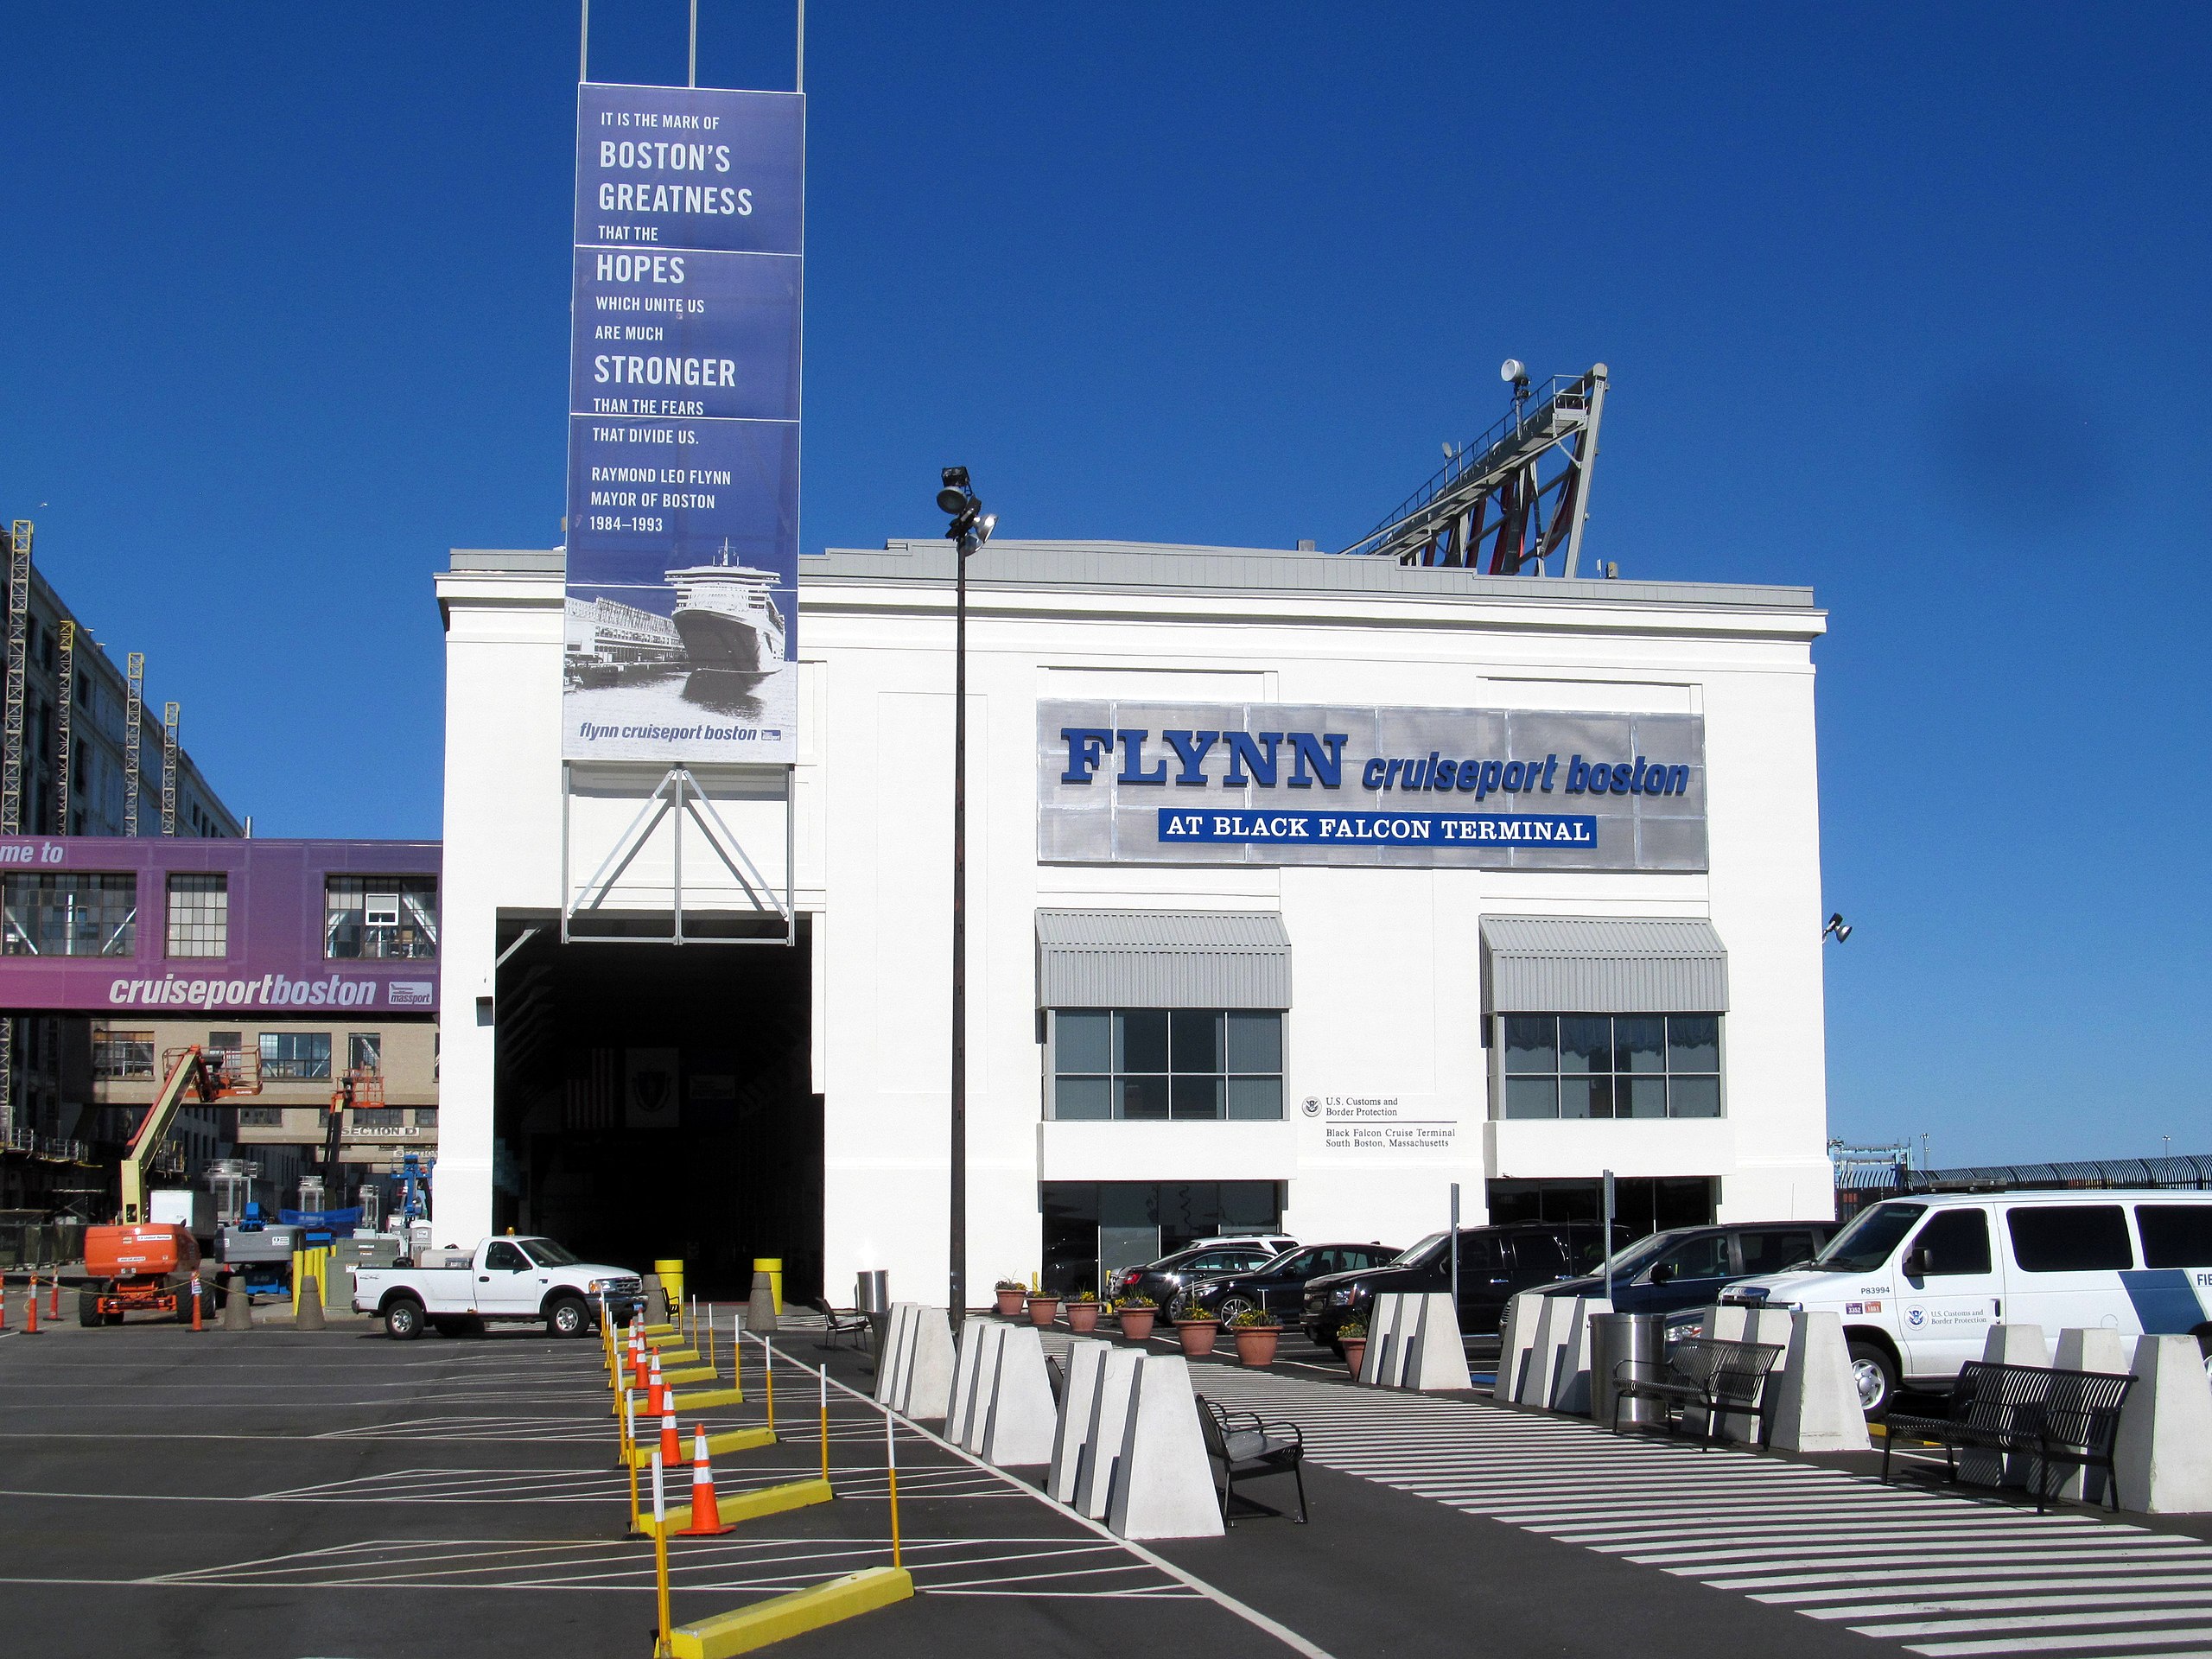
x,y
1602,964
1162,959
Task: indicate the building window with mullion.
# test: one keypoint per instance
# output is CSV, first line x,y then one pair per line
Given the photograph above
x,y
1166,1065
1586,1066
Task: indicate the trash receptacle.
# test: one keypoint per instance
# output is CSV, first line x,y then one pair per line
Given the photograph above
x,y
1615,1337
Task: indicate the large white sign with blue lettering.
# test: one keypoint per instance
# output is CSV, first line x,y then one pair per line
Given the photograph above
x,y
1151,783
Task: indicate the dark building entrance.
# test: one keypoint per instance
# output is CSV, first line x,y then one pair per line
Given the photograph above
x,y
654,1101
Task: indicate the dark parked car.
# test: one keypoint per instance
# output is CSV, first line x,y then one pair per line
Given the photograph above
x,y
1495,1264
1684,1268
1163,1280
1280,1284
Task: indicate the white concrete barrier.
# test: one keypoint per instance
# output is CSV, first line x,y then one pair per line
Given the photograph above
x,y
2163,1455
1072,1423
2097,1348
1543,1355
1388,1327
1435,1358
1109,1422
1018,1421
925,1380
1165,1486
1516,1340
895,1353
1815,1399
970,1412
963,1377
1570,1377
2005,1344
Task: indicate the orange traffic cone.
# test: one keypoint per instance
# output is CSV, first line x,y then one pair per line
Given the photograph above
x,y
657,1400
31,1318
671,1448
52,1297
706,1519
4,1301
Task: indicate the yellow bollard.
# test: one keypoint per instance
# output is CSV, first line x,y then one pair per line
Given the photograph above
x,y
664,1647
891,1468
629,1446
773,1267
671,1280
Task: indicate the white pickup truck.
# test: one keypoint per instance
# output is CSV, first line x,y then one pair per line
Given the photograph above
x,y
514,1279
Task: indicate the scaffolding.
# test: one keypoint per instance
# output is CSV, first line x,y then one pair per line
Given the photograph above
x,y
168,768
134,721
64,724
19,605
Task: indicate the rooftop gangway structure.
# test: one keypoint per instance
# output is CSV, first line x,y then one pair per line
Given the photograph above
x,y
1516,496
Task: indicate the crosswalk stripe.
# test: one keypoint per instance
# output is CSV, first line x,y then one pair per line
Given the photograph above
x,y
1949,1574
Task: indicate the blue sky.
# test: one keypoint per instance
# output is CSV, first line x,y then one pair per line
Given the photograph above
x,y
1908,304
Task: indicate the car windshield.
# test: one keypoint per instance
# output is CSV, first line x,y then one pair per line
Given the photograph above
x,y
1866,1244
1294,1258
1414,1254
1632,1259
547,1253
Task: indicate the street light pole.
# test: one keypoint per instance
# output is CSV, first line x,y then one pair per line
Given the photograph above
x,y
970,528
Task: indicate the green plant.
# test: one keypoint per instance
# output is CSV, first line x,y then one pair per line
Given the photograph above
x,y
1351,1330
1083,1296
1011,1284
1135,1299
1255,1319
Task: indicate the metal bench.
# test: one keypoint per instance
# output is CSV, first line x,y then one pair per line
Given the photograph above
x,y
2057,1417
1243,1445
1702,1373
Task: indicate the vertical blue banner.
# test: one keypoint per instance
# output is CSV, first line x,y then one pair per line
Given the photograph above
x,y
684,426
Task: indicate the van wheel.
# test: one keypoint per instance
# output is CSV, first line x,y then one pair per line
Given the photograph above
x,y
403,1320
568,1317
1876,1373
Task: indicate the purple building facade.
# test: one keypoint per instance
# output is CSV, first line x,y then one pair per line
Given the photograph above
x,y
318,958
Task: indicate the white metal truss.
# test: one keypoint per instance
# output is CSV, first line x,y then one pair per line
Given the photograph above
x,y
65,705
169,712
677,796
134,721
19,602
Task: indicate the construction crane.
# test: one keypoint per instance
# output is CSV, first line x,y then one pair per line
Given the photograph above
x,y
1512,498
210,1077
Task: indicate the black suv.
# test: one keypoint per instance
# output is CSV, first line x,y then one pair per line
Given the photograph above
x,y
1685,1266
1280,1284
1495,1264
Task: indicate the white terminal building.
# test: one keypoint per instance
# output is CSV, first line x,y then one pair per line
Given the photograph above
x,y
1300,888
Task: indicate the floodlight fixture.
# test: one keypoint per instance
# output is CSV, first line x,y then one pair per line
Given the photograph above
x,y
1837,926
951,500
1513,369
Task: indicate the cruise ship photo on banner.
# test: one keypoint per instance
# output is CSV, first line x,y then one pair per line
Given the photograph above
x,y
728,616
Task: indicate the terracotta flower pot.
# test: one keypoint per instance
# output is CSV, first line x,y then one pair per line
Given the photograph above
x,y
1010,1301
1136,1322
1043,1309
1354,1353
1255,1345
1197,1336
1083,1317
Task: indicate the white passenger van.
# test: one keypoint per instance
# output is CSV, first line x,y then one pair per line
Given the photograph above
x,y
1918,1281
